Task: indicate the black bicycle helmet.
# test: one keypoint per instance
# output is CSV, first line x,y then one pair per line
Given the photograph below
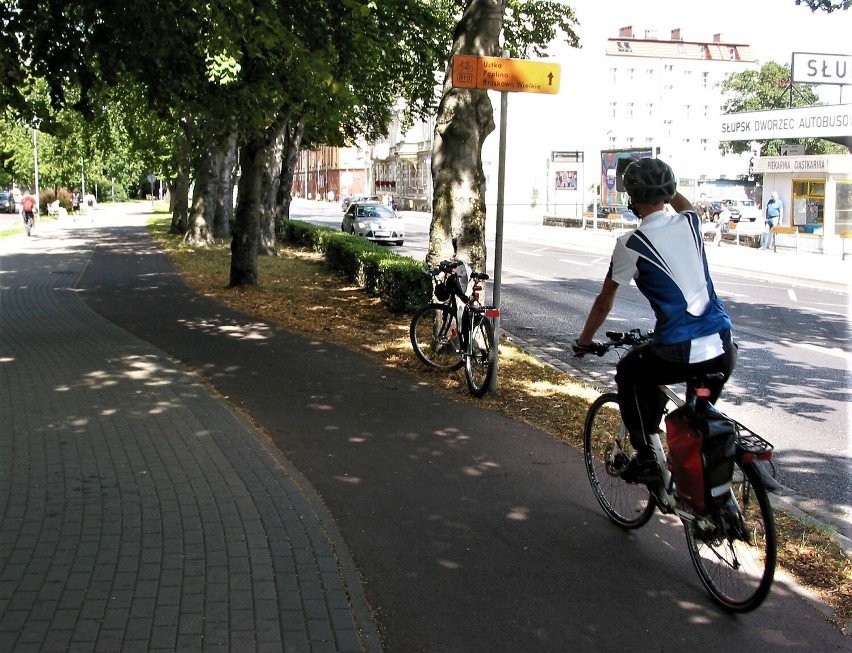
x,y
649,181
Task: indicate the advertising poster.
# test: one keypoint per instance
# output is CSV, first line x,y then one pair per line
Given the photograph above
x,y
609,163
566,180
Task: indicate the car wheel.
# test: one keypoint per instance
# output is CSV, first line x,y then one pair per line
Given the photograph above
x,y
342,227
398,243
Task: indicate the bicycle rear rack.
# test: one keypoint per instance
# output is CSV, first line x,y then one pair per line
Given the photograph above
x,y
750,445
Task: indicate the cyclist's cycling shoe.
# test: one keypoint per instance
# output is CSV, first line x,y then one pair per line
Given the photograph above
x,y
641,470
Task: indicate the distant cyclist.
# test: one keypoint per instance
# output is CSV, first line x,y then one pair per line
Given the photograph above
x,y
29,208
692,336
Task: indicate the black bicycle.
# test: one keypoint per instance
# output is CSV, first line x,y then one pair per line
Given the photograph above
x,y
732,540
457,329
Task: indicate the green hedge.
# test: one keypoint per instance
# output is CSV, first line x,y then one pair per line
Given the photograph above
x,y
401,283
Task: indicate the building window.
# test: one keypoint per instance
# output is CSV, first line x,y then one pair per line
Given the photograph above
x,y
630,110
630,140
706,110
681,48
705,79
668,68
612,109
732,53
649,74
623,46
843,206
686,110
650,109
612,140
614,73
630,72
703,144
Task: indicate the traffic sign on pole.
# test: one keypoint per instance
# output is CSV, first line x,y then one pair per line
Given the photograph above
x,y
506,75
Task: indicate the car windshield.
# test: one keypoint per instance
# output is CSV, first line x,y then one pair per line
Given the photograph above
x,y
374,211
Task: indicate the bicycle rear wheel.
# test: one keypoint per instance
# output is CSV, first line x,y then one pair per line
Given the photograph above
x,y
606,450
434,334
735,559
479,366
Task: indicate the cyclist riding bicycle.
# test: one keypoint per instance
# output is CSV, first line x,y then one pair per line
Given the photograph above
x,y
665,257
28,209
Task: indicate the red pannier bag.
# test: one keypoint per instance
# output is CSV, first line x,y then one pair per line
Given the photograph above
x,y
701,455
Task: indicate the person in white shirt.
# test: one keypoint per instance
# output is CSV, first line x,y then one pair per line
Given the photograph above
x,y
665,257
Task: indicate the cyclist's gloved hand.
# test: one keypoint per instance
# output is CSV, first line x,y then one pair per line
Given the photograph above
x,y
597,348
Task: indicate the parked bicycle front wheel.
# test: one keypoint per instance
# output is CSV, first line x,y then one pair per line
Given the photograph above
x,y
735,558
479,365
434,334
607,450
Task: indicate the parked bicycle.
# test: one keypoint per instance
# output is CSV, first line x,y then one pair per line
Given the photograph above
x,y
457,329
730,529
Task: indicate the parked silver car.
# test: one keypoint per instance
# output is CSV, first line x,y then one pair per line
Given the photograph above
x,y
375,222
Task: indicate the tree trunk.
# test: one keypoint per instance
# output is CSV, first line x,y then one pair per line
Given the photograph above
x,y
465,118
203,211
180,196
245,243
269,193
225,188
246,234
292,144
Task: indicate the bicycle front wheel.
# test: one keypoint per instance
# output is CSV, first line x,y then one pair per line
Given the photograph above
x,y
735,557
479,365
434,334
607,450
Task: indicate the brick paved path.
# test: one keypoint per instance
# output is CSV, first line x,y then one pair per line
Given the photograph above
x,y
138,512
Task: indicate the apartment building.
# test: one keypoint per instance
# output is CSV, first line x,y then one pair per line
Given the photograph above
x,y
665,93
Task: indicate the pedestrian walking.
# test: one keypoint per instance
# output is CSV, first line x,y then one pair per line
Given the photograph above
x,y
774,214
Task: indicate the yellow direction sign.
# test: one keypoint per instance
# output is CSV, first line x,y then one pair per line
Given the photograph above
x,y
501,74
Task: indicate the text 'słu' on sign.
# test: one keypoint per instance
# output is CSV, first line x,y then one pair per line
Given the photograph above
x,y
501,74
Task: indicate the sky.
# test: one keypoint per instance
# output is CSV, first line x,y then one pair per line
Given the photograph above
x,y
774,28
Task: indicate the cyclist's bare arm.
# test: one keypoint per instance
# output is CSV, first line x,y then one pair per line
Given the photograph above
x,y
599,311
680,203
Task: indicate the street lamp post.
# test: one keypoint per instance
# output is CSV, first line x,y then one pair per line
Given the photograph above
x,y
35,162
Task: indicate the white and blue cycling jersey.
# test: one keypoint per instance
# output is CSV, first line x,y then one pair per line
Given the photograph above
x,y
665,257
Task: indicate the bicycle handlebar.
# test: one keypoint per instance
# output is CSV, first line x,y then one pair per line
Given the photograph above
x,y
630,338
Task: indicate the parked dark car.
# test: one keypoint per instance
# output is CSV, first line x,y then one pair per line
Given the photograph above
x,y
7,202
614,212
717,209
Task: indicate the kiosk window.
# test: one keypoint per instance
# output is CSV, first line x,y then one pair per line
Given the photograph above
x,y
808,204
843,206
